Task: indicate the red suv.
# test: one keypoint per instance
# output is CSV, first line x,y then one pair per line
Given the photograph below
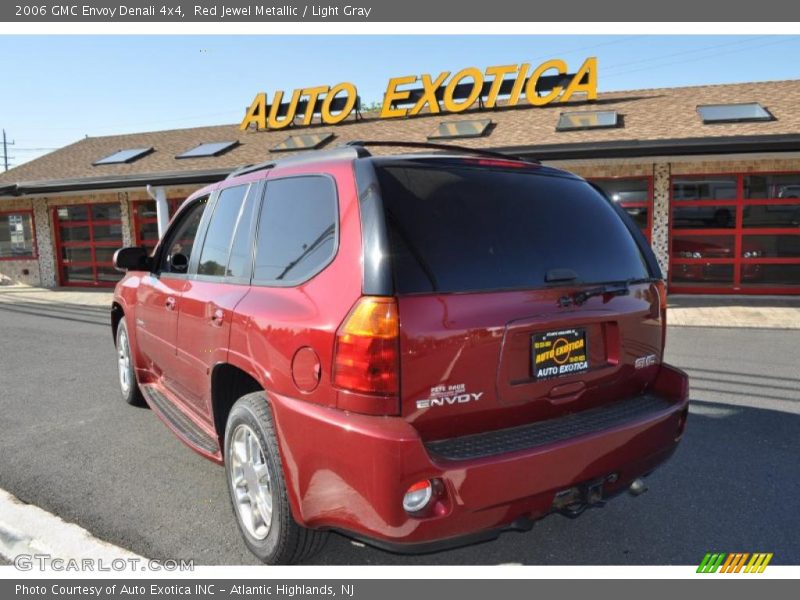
x,y
416,350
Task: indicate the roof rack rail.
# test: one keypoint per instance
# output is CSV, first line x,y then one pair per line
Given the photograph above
x,y
251,168
342,151
445,147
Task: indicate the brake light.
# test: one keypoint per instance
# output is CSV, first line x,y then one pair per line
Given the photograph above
x,y
503,164
367,352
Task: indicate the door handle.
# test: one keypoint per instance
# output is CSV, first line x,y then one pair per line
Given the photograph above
x,y
170,303
217,317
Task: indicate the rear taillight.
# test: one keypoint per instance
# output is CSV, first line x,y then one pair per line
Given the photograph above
x,y
366,358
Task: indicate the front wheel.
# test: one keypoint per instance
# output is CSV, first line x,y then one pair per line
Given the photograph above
x,y
128,385
257,487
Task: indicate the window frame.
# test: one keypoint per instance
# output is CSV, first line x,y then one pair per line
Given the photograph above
x,y
142,152
230,145
35,247
257,230
617,124
765,119
253,187
738,231
158,254
487,129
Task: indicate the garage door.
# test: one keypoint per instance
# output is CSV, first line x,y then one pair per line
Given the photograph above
x,y
87,235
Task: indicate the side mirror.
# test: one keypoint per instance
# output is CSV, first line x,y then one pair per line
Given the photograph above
x,y
179,263
132,259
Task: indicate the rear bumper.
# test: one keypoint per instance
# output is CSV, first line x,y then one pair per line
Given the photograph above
x,y
349,472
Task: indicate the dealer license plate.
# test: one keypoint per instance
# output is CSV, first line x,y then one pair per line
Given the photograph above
x,y
559,353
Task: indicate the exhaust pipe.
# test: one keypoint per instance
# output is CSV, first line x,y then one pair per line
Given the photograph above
x,y
638,487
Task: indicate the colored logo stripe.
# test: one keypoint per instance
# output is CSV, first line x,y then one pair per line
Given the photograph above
x,y
734,562
759,561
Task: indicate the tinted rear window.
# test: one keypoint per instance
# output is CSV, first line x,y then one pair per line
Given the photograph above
x,y
461,229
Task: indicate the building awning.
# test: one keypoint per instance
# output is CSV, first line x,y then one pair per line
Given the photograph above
x,y
114,182
652,148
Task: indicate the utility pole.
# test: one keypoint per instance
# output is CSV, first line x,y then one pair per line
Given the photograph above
x,y
6,144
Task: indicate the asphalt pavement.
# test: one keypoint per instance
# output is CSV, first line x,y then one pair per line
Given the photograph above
x,y
71,446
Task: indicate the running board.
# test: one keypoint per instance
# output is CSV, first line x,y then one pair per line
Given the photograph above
x,y
187,429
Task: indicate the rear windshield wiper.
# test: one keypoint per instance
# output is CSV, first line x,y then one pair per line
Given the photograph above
x,y
615,288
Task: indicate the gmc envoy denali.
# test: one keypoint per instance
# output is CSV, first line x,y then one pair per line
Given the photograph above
x,y
416,350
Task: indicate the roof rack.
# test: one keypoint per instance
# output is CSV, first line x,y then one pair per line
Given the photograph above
x,y
251,168
343,151
444,147
360,150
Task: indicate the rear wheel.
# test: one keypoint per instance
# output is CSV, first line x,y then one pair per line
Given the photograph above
x,y
128,385
257,487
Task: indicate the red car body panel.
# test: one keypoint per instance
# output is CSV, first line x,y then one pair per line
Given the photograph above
x,y
483,342
369,462
350,457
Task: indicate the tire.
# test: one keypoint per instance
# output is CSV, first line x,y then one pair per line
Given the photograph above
x,y
128,386
281,541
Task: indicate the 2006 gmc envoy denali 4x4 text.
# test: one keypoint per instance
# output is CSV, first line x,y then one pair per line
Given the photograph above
x,y
417,350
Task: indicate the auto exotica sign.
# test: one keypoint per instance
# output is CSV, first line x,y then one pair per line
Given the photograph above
x,y
446,93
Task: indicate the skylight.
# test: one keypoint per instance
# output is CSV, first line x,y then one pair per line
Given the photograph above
x,y
124,156
208,149
733,113
303,142
590,119
460,129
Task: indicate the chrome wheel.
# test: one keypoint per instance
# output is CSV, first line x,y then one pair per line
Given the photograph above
x,y
124,361
250,481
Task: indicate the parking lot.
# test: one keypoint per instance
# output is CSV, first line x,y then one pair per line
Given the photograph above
x,y
70,446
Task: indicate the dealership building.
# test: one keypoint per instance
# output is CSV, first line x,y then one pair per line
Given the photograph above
x,y
711,174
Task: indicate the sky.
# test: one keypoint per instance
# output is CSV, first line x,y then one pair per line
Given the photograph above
x,y
59,89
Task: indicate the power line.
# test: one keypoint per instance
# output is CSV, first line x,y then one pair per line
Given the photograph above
x,y
699,58
692,51
6,144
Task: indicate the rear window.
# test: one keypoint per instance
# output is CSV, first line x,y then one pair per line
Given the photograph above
x,y
462,229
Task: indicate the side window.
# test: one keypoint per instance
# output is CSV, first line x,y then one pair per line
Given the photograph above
x,y
217,244
297,230
240,263
180,239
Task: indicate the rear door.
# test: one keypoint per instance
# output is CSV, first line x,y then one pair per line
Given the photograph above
x,y
487,263
221,277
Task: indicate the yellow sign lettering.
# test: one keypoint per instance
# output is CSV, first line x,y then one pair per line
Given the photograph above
x,y
498,74
274,121
443,93
429,88
257,113
530,90
347,88
392,95
477,83
588,68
